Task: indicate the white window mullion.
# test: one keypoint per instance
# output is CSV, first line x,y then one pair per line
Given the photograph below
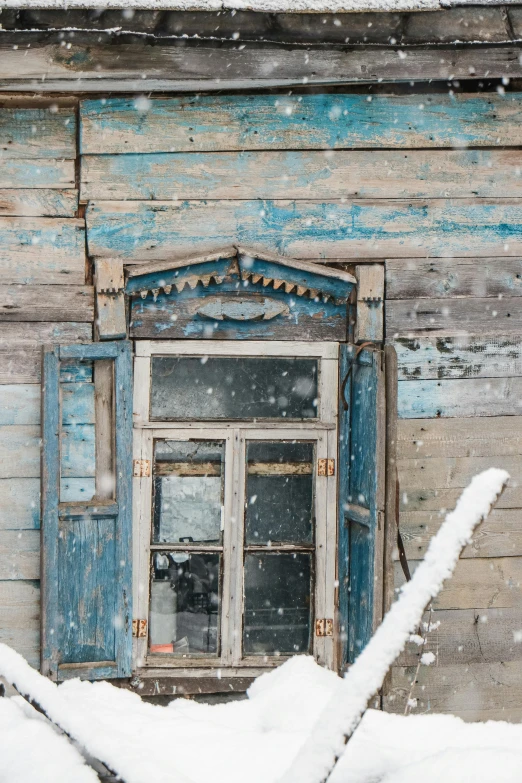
x,y
229,512
237,527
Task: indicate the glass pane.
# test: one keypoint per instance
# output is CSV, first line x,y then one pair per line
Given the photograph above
x,y
279,503
185,603
188,491
277,604
226,388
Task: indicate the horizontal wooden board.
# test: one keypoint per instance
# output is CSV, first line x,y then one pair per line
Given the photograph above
x,y
20,451
21,347
20,617
21,403
46,303
378,228
500,535
452,472
460,398
478,692
465,356
42,173
411,317
478,583
446,278
19,554
435,498
421,438
19,503
38,202
33,133
321,121
294,174
26,241
467,636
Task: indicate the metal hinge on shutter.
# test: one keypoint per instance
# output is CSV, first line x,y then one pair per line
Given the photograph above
x,y
326,467
324,627
139,629
141,468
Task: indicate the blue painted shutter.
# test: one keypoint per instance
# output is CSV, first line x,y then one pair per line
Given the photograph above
x,y
86,547
361,496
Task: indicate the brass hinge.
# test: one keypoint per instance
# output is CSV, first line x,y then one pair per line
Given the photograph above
x,y
139,629
324,627
141,468
326,467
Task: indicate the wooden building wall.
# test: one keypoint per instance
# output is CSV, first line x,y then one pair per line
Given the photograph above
x,y
429,185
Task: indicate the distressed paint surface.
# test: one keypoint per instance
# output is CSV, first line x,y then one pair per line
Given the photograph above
x,y
27,241
21,403
27,202
37,133
460,398
39,173
137,231
227,122
459,316
297,174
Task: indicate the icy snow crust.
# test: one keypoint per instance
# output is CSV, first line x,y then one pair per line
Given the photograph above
x,y
272,6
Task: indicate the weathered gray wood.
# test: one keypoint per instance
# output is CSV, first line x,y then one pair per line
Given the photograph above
x,y
50,267
370,303
33,133
20,451
110,299
46,303
21,403
19,504
460,398
42,173
368,228
478,583
453,316
467,636
440,278
435,498
19,554
20,347
499,536
478,692
327,121
304,174
20,617
496,436
103,409
451,472
27,202
391,520
91,67
467,356
26,241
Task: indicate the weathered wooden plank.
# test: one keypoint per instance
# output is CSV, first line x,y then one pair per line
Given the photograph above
x,y
42,173
422,438
39,202
478,692
499,536
19,504
20,451
451,472
467,356
321,121
379,228
467,636
45,132
453,316
20,347
441,278
46,303
20,403
19,554
25,241
369,324
20,617
298,174
460,398
435,498
478,583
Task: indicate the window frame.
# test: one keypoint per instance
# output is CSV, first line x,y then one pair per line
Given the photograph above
x,y
322,431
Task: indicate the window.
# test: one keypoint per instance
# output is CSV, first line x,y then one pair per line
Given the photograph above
x,y
236,530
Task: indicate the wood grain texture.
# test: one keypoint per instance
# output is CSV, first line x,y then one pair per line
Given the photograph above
x,y
46,303
35,133
19,504
478,583
478,692
467,636
20,618
451,472
468,397
423,438
441,278
21,403
327,121
468,356
19,554
37,202
435,498
499,536
139,231
21,360
38,173
303,174
20,451
411,317
26,241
